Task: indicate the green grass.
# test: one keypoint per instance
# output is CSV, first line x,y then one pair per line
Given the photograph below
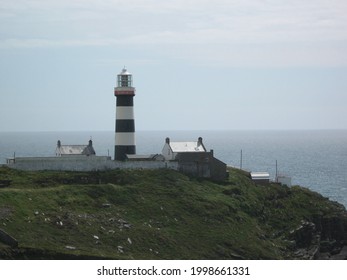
x,y
168,215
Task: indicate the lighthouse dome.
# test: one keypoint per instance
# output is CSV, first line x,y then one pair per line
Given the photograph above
x,y
125,72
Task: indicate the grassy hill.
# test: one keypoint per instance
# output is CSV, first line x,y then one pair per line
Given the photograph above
x,y
163,214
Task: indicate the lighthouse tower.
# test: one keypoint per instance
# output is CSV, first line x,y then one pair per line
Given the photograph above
x,y
125,123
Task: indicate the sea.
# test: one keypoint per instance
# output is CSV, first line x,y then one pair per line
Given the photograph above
x,y
316,159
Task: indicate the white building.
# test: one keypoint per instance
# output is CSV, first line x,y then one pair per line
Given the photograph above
x,y
261,178
74,150
171,149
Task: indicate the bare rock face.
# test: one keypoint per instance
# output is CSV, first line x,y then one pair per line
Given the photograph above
x,y
306,239
334,228
304,234
325,238
333,237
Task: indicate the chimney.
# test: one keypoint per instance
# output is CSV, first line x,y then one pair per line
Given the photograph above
x,y
199,141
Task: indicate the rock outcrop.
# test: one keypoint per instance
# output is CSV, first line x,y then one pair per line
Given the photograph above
x,y
324,238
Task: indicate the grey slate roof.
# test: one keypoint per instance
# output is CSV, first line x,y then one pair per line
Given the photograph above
x,y
65,150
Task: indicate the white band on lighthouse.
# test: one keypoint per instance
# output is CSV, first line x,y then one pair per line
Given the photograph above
x,y
125,113
125,139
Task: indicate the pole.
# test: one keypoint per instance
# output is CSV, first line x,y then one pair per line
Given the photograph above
x,y
241,160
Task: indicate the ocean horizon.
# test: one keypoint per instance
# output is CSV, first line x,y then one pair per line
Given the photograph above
x,y
316,159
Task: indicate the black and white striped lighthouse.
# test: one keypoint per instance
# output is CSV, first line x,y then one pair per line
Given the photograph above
x,y
125,123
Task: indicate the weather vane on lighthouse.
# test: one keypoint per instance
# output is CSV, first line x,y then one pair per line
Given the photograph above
x,y
125,123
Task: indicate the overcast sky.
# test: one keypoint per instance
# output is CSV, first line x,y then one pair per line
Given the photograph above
x,y
196,64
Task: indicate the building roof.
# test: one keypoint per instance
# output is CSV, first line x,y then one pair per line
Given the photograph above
x,y
150,157
260,175
184,147
75,149
179,147
145,157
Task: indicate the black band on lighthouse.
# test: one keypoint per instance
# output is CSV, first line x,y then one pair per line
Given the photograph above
x,y
125,100
125,125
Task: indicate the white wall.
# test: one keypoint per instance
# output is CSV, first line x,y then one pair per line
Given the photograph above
x,y
167,153
84,163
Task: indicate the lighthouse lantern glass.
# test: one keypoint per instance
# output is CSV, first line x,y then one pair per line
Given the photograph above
x,y
124,81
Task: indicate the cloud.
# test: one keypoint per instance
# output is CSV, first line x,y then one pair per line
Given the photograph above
x,y
49,43
221,30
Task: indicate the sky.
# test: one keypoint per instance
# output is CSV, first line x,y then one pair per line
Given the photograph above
x,y
196,64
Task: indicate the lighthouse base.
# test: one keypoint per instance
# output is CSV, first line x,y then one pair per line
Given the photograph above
x,y
120,152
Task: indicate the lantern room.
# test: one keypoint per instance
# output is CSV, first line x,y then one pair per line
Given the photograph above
x,y
124,84
124,79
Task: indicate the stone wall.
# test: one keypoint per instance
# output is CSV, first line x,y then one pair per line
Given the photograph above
x,y
85,163
202,165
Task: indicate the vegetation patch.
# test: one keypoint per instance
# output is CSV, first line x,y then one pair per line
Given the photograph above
x,y
156,214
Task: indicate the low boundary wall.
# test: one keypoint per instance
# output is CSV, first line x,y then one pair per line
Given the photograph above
x,y
85,163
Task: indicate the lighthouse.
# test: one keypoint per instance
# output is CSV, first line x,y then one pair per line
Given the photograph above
x,y
125,123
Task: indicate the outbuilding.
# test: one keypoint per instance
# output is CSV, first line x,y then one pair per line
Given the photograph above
x,y
74,150
172,149
261,178
151,157
194,160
